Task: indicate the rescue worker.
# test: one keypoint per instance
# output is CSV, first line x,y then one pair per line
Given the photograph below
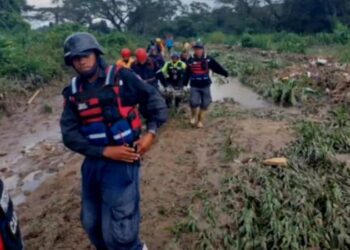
x,y
169,44
100,121
126,60
187,46
158,58
173,72
160,46
197,73
150,45
10,235
147,68
185,55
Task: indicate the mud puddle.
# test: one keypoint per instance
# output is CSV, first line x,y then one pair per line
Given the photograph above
x,y
30,147
20,188
233,88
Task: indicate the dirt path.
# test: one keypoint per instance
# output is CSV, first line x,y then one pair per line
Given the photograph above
x,y
47,176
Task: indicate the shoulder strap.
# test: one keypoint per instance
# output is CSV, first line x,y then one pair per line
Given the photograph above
x,y
74,85
112,76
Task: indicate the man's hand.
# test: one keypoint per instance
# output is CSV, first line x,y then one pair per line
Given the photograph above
x,y
145,143
121,153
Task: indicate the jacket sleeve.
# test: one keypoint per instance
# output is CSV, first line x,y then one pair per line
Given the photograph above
x,y
187,75
160,76
183,66
165,70
71,135
165,75
151,104
217,68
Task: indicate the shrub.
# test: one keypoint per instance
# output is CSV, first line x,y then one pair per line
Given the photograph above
x,y
292,43
217,37
257,41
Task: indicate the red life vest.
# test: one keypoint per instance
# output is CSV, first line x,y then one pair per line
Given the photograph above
x,y
103,116
199,69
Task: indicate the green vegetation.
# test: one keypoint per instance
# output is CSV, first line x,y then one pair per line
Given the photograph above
x,y
291,92
155,17
318,142
303,206
36,57
284,42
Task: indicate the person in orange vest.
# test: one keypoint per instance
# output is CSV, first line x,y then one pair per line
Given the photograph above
x,y
126,61
160,45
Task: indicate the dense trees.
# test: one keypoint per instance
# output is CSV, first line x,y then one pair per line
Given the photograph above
x,y
10,14
173,16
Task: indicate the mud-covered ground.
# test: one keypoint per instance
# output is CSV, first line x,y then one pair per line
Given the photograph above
x,y
44,178
180,161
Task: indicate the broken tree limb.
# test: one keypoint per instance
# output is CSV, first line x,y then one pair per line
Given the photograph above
x,y
276,162
30,101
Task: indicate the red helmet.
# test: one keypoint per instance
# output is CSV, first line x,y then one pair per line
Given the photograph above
x,y
141,55
126,53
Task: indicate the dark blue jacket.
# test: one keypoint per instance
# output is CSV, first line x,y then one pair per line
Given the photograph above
x,y
149,72
133,92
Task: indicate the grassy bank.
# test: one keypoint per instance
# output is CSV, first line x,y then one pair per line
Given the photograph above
x,y
302,206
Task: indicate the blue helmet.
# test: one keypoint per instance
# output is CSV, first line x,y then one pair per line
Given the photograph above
x,y
175,55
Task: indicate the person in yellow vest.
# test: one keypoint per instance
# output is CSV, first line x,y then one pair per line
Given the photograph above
x,y
126,61
160,46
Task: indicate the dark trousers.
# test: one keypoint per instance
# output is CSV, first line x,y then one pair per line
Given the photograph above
x,y
110,204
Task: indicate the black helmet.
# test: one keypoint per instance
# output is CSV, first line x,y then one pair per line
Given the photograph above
x,y
175,55
198,45
78,44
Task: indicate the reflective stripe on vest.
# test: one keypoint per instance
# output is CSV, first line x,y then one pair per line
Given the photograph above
x,y
97,136
122,135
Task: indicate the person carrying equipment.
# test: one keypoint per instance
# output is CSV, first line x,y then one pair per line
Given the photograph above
x,y
147,68
173,72
126,60
101,121
197,73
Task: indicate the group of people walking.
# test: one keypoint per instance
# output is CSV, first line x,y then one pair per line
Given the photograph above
x,y
101,120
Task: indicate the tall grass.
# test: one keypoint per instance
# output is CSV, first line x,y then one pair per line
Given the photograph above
x,y
303,206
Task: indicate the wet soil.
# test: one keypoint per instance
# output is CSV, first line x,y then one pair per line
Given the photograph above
x,y
44,177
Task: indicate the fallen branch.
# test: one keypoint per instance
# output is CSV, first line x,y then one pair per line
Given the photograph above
x,y
30,101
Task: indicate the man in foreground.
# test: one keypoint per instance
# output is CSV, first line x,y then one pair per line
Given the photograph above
x,y
100,121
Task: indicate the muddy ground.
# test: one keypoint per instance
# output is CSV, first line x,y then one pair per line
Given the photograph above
x,y
181,159
44,178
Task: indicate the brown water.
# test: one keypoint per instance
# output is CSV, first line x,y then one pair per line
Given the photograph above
x,y
233,88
